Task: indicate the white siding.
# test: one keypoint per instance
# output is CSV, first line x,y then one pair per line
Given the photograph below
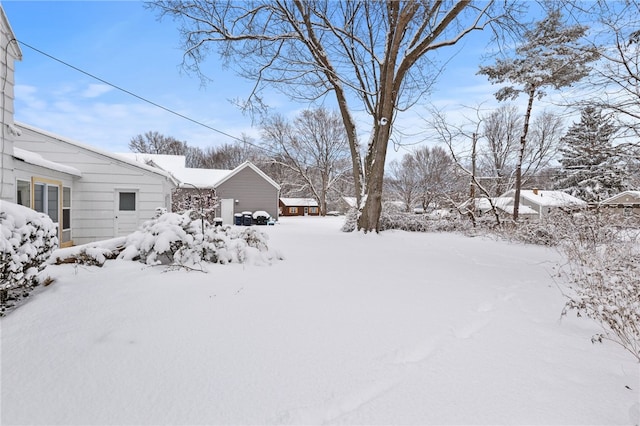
x,y
7,65
94,195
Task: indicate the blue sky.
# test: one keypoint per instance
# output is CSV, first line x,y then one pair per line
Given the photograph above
x,y
123,43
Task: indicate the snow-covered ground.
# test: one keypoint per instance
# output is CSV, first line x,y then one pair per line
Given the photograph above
x,y
396,328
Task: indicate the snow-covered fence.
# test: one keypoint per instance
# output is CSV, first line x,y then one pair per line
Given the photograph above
x,y
27,239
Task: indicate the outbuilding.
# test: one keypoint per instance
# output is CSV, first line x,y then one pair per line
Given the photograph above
x,y
245,188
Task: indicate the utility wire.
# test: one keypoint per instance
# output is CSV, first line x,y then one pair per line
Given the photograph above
x,y
131,93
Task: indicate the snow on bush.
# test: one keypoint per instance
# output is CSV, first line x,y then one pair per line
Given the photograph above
x,y
185,240
422,223
91,254
603,275
605,280
392,218
27,239
351,220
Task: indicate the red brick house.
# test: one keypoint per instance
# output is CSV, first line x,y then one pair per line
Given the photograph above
x,y
299,207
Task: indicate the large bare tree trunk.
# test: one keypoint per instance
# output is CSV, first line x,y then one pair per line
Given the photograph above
x,y
370,215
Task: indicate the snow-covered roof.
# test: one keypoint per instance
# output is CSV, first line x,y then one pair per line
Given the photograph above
x,y
351,201
93,149
176,166
547,198
202,178
303,202
38,160
502,203
188,176
623,197
165,162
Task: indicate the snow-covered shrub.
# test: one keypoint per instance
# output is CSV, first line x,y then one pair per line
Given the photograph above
x,y
27,239
559,226
602,273
351,220
422,223
179,239
605,284
159,239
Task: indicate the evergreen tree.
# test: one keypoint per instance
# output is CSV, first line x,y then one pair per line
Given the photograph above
x,y
550,57
591,169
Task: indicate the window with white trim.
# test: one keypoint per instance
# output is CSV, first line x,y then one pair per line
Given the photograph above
x,y
127,202
23,193
66,215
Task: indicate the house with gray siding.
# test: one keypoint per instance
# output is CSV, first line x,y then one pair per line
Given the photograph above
x,y
626,202
245,188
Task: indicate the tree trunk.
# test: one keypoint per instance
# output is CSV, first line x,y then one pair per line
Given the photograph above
x,y
472,183
523,144
374,177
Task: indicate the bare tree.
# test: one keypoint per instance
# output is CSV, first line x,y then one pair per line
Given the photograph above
x,y
615,82
314,147
551,57
437,177
371,53
543,144
156,143
498,155
456,137
403,180
230,156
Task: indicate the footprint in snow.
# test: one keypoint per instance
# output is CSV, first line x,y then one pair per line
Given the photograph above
x,y
416,354
468,330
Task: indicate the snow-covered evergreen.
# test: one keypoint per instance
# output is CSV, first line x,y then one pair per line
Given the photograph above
x,y
591,169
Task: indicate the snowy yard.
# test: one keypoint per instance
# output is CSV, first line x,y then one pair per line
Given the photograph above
x,y
396,328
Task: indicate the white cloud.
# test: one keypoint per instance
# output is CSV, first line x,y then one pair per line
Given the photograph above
x,y
95,90
28,95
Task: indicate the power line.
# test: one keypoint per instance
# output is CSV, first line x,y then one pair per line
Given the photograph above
x,y
130,93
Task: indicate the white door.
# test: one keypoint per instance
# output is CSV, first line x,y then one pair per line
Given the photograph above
x,y
226,210
126,214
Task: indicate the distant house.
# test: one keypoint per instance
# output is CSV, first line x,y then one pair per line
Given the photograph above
x,y
628,202
503,205
89,194
349,203
245,188
299,207
543,201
